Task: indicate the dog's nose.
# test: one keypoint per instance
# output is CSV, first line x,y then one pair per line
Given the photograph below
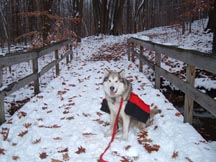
x,y
112,88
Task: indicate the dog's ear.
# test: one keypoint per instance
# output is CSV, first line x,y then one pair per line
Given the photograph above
x,y
106,72
122,73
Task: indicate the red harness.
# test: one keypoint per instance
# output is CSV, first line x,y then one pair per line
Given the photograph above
x,y
113,133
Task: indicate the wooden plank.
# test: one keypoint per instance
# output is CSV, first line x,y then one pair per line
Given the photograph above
x,y
53,47
1,77
194,58
57,65
140,42
52,64
17,85
189,103
129,51
199,59
71,53
35,71
2,112
204,100
157,74
16,58
132,52
140,61
47,67
144,60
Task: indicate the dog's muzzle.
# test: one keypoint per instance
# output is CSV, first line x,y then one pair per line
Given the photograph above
x,y
112,88
112,91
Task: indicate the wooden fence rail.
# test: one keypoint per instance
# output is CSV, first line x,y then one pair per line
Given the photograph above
x,y
16,58
193,59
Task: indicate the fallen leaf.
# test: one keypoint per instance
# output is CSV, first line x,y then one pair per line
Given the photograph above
x,y
64,150
124,159
43,155
36,141
127,147
72,85
55,160
80,150
143,134
151,148
27,125
10,121
61,92
40,97
23,133
99,113
2,151
66,157
178,114
175,154
5,132
70,118
57,138
21,114
15,158
88,134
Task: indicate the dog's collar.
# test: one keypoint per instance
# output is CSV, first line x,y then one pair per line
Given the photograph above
x,y
113,100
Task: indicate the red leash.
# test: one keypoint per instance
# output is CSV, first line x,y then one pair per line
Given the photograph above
x,y
113,133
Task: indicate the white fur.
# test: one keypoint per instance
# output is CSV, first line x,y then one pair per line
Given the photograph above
x,y
114,97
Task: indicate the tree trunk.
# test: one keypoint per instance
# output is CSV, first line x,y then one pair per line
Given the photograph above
x,y
46,25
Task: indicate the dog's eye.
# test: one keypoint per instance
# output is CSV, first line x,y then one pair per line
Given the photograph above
x,y
121,80
116,81
109,80
105,79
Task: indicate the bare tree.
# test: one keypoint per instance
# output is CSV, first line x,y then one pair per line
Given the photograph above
x,y
211,25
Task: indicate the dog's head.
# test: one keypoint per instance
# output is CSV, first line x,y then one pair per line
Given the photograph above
x,y
113,83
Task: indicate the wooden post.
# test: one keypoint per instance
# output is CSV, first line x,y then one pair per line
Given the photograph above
x,y
57,65
133,52
67,57
71,55
189,103
2,112
129,51
35,71
140,60
157,74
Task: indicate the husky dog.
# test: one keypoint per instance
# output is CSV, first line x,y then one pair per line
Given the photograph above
x,y
116,87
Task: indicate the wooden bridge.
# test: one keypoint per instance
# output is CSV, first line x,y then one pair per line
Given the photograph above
x,y
193,59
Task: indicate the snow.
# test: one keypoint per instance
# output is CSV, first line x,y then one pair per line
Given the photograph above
x,y
64,121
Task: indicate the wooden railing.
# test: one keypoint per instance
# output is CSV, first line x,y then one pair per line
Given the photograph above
x,y
17,58
192,58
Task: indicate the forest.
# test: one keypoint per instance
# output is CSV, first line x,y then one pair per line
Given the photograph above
x,y
41,22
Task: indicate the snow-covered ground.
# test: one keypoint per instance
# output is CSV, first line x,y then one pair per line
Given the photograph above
x,y
64,121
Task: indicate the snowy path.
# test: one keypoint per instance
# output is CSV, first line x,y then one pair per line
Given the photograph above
x,y
64,122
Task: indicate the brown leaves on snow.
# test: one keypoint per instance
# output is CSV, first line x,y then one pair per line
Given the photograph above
x,y
175,154
52,126
2,151
80,150
43,155
21,114
151,148
147,142
5,132
23,133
